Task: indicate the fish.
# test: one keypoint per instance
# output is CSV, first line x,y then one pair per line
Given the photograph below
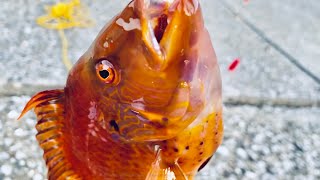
x,y
143,102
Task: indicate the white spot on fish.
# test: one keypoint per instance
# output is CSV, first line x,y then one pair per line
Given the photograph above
x,y
106,44
131,25
156,148
138,104
139,100
170,174
93,133
92,111
103,139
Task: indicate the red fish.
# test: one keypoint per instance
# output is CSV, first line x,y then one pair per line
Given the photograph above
x,y
144,102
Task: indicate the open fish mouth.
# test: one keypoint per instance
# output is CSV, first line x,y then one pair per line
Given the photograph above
x,y
166,27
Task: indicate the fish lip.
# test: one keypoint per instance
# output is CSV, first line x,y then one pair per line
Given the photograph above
x,y
156,6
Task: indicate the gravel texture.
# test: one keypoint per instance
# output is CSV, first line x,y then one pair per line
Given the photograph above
x,y
276,138
268,143
20,155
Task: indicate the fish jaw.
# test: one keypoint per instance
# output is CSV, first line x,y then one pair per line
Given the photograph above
x,y
176,19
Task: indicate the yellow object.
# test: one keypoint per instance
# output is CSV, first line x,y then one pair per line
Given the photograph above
x,y
65,15
66,61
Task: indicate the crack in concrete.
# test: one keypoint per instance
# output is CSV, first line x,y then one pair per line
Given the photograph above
x,y
261,34
275,102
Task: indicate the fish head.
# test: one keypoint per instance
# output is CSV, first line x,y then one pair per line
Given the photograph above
x,y
148,69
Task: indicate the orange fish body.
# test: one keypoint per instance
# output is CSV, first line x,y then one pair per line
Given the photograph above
x,y
144,102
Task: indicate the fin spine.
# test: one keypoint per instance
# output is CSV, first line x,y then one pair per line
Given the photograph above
x,y
49,108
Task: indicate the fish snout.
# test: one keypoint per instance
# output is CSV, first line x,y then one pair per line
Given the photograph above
x,y
168,28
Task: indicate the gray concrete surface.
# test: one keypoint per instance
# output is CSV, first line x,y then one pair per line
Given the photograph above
x,y
268,143
293,25
263,73
272,106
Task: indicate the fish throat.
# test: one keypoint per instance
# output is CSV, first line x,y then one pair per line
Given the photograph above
x,y
162,23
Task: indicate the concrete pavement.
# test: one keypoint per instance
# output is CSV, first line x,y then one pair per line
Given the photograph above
x,y
292,25
272,105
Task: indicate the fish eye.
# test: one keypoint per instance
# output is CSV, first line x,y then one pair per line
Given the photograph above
x,y
105,71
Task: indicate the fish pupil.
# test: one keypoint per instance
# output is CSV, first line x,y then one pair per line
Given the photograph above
x,y
104,74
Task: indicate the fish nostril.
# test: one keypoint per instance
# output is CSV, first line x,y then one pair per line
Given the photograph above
x,y
114,124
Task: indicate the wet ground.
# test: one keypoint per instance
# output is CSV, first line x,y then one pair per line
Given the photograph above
x,y
272,99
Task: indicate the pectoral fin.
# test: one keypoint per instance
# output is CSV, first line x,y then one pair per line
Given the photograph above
x,y
49,108
161,170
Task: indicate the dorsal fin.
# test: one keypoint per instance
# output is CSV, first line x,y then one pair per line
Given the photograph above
x,y
49,108
41,97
